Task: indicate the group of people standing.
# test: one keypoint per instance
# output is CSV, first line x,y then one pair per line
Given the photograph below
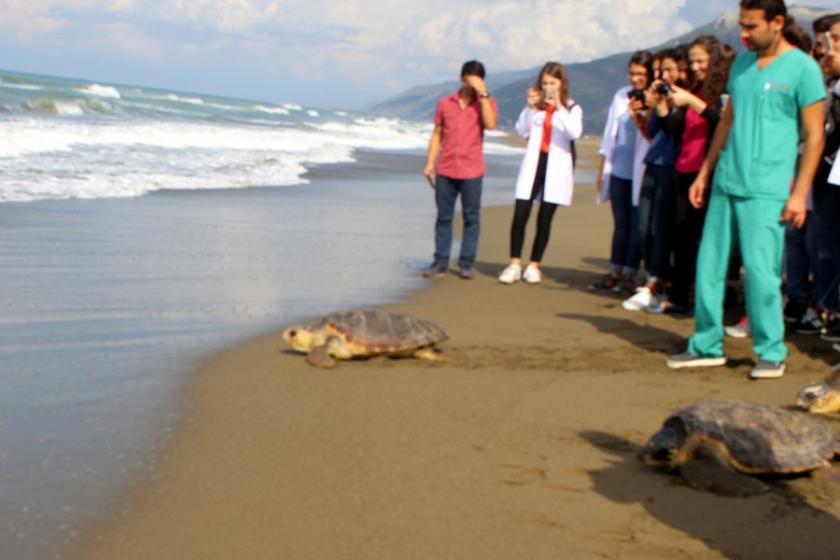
x,y
708,159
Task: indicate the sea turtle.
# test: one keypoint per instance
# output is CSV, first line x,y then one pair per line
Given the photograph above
x,y
363,334
822,397
712,443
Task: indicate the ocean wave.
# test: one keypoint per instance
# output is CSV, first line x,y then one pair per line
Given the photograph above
x,y
272,110
65,107
28,87
312,113
178,98
292,107
100,91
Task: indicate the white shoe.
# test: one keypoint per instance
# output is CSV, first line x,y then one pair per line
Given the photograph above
x,y
639,301
741,329
512,273
532,275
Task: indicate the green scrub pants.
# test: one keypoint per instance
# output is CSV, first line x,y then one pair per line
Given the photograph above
x,y
754,223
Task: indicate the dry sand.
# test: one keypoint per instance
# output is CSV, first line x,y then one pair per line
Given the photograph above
x,y
523,444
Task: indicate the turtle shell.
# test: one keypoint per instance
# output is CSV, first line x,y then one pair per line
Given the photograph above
x,y
760,439
382,331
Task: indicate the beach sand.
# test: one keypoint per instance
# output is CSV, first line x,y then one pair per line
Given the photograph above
x,y
523,444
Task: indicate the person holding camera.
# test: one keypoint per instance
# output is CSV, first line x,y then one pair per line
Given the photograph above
x,y
550,121
619,180
693,122
656,201
455,166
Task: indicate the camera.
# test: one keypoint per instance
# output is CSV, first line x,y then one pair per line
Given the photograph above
x,y
663,89
637,95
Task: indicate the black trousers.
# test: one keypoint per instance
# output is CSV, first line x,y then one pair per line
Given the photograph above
x,y
688,229
522,211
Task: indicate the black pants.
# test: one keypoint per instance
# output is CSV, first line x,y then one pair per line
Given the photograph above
x,y
522,211
688,229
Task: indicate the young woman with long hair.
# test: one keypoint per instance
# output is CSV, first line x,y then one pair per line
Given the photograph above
x,y
550,121
619,179
694,121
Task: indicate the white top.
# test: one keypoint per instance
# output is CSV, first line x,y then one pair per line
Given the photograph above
x,y
566,126
619,107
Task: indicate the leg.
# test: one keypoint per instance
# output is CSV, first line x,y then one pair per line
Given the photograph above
x,y
687,233
634,249
647,203
761,238
471,203
544,218
620,200
521,212
711,278
445,195
428,354
797,267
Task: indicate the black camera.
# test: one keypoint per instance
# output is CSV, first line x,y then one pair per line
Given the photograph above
x,y
663,89
637,95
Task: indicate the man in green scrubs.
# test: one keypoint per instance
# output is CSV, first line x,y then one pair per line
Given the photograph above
x,y
776,97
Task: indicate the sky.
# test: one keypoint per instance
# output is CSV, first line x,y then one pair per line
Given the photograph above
x,y
325,53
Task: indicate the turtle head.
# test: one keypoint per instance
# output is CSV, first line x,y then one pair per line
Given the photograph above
x,y
662,449
822,397
303,338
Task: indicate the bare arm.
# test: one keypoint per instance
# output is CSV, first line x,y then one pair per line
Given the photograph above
x,y
431,157
697,192
488,114
796,209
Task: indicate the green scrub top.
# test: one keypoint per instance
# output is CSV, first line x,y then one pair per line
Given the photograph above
x,y
760,155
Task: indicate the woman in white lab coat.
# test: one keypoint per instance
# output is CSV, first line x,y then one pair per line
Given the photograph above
x,y
550,121
623,150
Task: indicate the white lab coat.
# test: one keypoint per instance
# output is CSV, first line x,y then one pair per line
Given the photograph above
x,y
566,125
617,108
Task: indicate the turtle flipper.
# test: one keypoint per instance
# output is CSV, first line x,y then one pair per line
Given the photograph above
x,y
428,353
320,357
710,475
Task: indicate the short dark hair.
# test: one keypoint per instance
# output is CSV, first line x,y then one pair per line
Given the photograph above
x,y
643,58
772,8
473,68
824,23
676,54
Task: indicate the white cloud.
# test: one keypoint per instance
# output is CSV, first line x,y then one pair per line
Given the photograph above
x,y
390,42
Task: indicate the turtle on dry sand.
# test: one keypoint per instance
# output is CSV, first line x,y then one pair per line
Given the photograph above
x,y
364,334
716,445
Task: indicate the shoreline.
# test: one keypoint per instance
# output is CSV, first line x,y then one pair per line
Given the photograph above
x,y
521,444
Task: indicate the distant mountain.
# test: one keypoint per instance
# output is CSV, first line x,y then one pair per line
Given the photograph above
x,y
593,83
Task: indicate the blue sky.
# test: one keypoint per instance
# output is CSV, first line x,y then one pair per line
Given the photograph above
x,y
324,53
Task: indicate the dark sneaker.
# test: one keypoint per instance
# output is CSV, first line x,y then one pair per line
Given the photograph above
x,y
831,330
809,324
467,273
608,282
765,369
675,309
794,311
437,270
628,285
689,360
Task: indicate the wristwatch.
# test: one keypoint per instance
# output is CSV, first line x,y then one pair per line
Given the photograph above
x,y
484,95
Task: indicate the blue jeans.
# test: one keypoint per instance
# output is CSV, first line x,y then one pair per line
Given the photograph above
x,y
800,261
626,251
656,215
446,193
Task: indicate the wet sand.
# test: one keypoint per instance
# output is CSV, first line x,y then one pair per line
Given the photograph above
x,y
522,444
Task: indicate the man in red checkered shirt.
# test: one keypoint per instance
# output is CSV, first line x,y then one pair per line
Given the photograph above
x,y
455,165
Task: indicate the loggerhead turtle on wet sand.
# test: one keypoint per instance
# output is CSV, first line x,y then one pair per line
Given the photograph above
x,y
715,444
363,334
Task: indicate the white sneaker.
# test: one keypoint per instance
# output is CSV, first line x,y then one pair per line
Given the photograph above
x,y
512,273
532,275
741,329
639,301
